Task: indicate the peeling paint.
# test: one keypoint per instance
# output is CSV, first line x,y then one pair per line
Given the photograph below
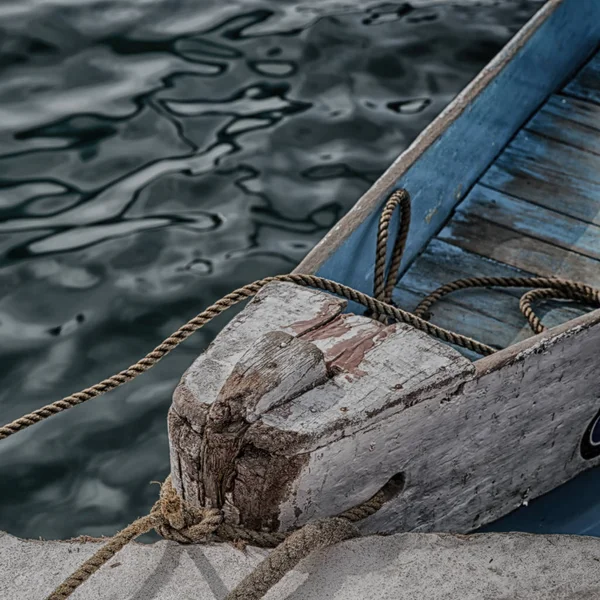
x,y
326,313
334,329
431,213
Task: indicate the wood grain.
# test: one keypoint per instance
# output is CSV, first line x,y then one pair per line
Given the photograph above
x,y
518,250
534,221
586,84
531,180
275,369
532,150
202,382
569,121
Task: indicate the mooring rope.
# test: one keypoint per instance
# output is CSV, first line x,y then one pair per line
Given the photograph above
x,y
546,287
373,305
174,519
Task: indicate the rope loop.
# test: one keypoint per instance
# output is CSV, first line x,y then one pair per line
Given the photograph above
x,y
181,522
588,297
383,285
544,288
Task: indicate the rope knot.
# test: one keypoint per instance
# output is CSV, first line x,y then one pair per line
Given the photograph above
x,y
178,521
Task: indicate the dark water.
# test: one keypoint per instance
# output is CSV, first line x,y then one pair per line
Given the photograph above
x,y
153,156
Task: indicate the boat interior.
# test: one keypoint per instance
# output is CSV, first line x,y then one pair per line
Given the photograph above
x,y
505,182
534,212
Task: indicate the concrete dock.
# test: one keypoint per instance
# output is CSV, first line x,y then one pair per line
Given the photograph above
x,y
398,567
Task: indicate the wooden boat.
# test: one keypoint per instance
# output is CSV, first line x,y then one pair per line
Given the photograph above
x,y
300,409
304,407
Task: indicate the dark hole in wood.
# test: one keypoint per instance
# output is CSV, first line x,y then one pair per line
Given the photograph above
x,y
394,487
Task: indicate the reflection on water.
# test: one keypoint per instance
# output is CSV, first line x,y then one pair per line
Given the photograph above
x,y
153,156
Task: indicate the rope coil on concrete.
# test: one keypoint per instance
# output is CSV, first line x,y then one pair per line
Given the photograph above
x,y
176,520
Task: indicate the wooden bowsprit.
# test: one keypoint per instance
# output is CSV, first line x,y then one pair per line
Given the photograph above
x,y
299,411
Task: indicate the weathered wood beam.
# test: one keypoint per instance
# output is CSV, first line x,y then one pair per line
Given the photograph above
x,y
299,411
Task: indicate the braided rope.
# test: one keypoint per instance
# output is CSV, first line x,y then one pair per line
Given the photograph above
x,y
102,556
383,286
316,535
231,299
142,365
591,298
176,520
544,288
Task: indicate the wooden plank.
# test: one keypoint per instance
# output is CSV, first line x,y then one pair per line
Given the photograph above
x,y
575,110
497,331
562,159
518,250
443,262
491,316
529,178
445,161
511,434
569,121
586,84
532,220
224,454
464,444
455,316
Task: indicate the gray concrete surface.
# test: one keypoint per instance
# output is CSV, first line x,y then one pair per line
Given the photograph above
x,y
398,567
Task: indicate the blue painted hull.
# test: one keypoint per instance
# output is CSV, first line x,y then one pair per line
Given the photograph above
x,y
572,508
